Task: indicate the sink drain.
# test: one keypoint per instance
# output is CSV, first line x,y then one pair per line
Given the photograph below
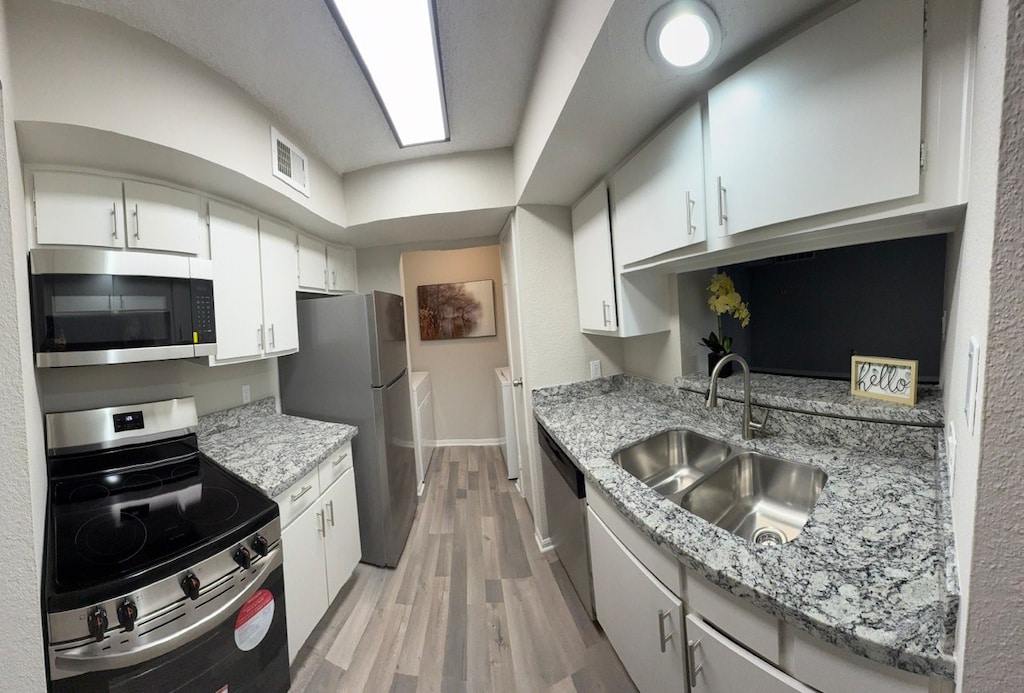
x,y
768,536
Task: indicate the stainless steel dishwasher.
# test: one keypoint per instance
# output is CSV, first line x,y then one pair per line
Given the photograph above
x,y
565,498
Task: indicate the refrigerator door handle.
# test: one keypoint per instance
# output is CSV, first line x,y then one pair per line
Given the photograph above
x,y
396,379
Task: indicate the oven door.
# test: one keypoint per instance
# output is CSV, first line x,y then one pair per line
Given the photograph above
x,y
247,650
92,307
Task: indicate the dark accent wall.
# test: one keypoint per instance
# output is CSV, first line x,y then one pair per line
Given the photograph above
x,y
811,311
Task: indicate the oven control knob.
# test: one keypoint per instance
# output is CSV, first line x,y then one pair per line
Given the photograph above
x,y
97,620
260,545
243,557
190,586
127,612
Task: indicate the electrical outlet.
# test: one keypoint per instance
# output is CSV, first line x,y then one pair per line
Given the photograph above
x,y
246,394
595,369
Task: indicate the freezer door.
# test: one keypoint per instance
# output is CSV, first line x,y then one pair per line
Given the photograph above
x,y
387,337
400,465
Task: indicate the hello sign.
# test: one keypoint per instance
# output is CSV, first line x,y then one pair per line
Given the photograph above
x,y
893,380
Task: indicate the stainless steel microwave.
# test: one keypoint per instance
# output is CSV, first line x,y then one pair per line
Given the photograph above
x,y
93,307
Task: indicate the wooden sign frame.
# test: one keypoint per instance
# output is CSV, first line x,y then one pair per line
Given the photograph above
x,y
892,380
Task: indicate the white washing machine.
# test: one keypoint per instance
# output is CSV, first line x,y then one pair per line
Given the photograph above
x,y
507,421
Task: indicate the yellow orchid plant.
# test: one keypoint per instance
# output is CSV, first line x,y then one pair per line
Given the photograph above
x,y
724,300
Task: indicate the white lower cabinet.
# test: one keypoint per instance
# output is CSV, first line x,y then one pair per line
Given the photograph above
x,y
718,665
321,543
640,616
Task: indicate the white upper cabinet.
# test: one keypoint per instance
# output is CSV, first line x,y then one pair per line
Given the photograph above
x,y
238,306
341,269
279,284
85,209
78,209
658,202
312,264
254,285
160,218
622,305
830,120
595,273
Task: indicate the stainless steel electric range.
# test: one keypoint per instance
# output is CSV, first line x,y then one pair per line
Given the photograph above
x,y
163,571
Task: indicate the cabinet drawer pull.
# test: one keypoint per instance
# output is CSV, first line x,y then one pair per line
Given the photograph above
x,y
300,494
694,669
690,228
323,527
136,222
330,505
113,218
722,215
340,460
662,615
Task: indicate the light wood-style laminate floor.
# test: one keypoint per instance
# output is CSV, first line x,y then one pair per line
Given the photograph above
x,y
473,605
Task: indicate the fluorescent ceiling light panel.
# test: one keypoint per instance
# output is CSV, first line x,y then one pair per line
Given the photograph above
x,y
396,43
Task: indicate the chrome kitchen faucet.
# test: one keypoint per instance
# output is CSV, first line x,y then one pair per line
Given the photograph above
x,y
749,426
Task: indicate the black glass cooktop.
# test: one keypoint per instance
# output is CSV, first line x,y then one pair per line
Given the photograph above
x,y
160,507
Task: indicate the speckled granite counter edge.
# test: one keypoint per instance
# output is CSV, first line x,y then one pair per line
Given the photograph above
x,y
823,397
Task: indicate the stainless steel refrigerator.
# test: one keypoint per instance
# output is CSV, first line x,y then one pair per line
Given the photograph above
x,y
351,368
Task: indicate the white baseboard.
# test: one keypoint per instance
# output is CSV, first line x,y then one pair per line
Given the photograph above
x,y
468,442
544,544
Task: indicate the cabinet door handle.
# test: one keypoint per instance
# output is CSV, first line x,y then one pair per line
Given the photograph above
x,y
325,277
259,337
690,228
691,660
340,460
604,313
273,342
113,218
662,615
722,215
330,506
136,222
334,279
323,526
301,493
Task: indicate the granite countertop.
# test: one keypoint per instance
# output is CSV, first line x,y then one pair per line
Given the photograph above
x,y
869,571
269,450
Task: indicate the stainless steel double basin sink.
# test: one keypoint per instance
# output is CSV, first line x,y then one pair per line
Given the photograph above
x,y
763,499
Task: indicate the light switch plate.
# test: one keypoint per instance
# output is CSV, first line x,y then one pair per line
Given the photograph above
x,y
246,394
595,369
951,452
971,396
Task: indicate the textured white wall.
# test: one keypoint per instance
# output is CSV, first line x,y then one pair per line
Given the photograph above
x,y
215,389
461,370
82,68
554,350
22,493
378,268
968,280
474,180
994,657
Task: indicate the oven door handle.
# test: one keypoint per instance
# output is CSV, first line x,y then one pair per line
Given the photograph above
x,y
92,657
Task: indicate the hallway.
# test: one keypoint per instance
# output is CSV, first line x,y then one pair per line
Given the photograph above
x,y
473,605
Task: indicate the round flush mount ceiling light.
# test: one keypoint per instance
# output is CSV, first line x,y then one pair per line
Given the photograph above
x,y
684,35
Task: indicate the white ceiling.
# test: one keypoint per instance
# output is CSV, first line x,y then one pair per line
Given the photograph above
x,y
290,55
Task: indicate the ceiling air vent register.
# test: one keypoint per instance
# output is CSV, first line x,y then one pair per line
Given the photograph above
x,y
289,163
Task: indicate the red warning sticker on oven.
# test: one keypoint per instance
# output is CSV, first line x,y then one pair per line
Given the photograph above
x,y
253,621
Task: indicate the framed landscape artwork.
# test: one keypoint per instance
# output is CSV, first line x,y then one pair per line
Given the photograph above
x,y
456,311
